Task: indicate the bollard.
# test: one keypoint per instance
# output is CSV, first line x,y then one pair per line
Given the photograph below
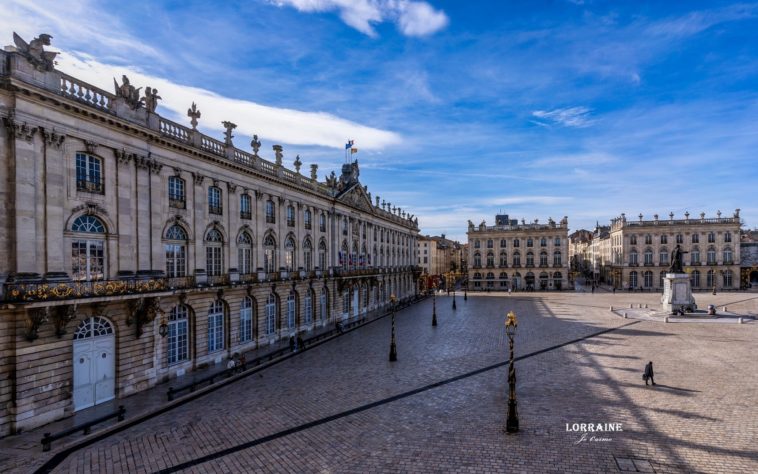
x,y
645,305
666,319
724,308
610,309
631,305
624,315
46,442
739,321
121,412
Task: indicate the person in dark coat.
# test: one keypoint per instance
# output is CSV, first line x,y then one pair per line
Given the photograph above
x,y
292,344
649,373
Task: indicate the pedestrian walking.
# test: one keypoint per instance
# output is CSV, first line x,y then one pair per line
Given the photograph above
x,y
242,363
292,343
648,374
300,343
232,363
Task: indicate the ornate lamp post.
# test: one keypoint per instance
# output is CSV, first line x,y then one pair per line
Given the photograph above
x,y
434,304
511,425
393,346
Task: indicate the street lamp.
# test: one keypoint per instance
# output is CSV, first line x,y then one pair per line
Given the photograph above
x,y
393,346
511,425
453,297
434,304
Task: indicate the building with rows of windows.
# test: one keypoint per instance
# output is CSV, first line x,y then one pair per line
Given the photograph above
x,y
134,249
637,253
518,256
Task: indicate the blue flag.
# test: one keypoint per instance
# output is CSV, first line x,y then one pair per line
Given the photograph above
x,y
349,145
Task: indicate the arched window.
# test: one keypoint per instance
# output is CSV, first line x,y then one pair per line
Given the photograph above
x,y
245,253
648,279
648,256
214,253
88,251
271,310
543,258
490,259
214,200
269,253
695,279
176,252
344,255
307,219
728,256
695,256
89,173
291,310
633,279
490,276
728,278
695,238
290,216
176,193
178,334
711,255
664,239
322,222
307,255
270,212
477,260
529,258
663,256
503,259
543,242
308,306
529,242
633,240
322,255
246,319
516,258
557,258
216,327
289,254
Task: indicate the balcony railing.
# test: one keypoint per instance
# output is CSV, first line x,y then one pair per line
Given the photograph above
x,y
59,290
90,186
246,215
216,210
177,203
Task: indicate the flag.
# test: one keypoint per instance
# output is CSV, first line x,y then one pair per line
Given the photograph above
x,y
349,144
353,150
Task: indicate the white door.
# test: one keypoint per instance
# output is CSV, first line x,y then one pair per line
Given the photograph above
x,y
94,363
356,308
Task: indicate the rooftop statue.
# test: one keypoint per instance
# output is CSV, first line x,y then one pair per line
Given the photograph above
x,y
128,92
151,99
34,51
194,114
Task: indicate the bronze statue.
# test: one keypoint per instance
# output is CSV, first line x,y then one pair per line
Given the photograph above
x,y
676,260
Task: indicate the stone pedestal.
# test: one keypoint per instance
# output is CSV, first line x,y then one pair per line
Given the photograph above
x,y
677,293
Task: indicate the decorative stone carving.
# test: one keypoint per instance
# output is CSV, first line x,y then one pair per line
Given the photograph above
x,y
231,187
35,318
194,114
198,178
281,200
90,146
53,139
20,131
177,172
35,53
63,315
298,164
278,154
331,180
122,156
151,99
90,209
377,201
148,163
314,172
143,311
228,126
128,92
255,144
258,194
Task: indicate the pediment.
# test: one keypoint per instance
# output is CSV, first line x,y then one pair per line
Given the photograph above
x,y
356,196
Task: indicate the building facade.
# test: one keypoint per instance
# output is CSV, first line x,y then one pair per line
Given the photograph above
x,y
518,256
134,249
438,255
640,251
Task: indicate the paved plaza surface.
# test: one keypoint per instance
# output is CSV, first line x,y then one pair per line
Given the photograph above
x,y
342,407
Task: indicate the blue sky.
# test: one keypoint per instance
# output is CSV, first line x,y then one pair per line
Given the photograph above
x,y
459,109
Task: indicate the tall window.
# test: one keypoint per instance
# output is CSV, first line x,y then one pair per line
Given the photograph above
x,y
214,253
516,259
711,256
543,242
728,278
648,257
324,305
216,327
89,173
633,240
291,310
307,219
711,237
269,254
291,216
543,259
176,196
503,259
490,243
529,242
246,319
245,253
270,212
477,260
477,244
695,279
176,252
727,236
214,200
307,255
710,281
679,239
695,256
695,238
178,334
516,242
271,314
648,279
322,255
557,258
557,242
529,259
490,260
633,257
663,257
88,249
727,256
246,206
664,239
503,243
308,306
648,239
322,222
633,279
289,254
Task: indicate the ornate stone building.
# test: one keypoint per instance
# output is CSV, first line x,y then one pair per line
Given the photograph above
x,y
518,256
640,251
134,249
438,255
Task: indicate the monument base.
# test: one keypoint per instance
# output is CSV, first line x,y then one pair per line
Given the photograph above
x,y
677,294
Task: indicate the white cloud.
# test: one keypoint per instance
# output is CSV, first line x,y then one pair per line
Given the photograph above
x,y
279,125
576,117
413,18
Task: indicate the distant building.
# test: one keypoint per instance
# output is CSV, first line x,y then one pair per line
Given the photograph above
x,y
749,259
518,256
438,255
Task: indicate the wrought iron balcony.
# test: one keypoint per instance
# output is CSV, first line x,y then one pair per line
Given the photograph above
x,y
90,186
177,203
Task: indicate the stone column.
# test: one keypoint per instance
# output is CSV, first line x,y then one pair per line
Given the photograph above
x,y
126,212
27,197
55,179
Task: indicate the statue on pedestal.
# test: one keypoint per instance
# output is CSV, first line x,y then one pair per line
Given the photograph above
x,y
676,260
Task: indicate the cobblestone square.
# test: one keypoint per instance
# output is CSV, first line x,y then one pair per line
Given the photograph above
x,y
342,407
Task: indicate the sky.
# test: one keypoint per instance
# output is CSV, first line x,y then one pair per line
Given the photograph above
x,y
459,110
